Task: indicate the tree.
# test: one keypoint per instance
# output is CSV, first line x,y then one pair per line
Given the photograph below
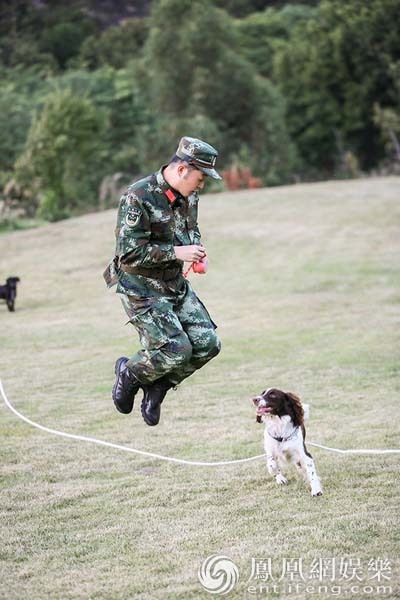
x,y
15,120
116,94
198,75
42,33
332,71
64,146
243,8
261,32
21,93
388,121
116,46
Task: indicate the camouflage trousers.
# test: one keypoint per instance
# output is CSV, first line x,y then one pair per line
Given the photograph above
x,y
177,337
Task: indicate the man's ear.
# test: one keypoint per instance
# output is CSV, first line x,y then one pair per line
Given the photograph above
x,y
181,170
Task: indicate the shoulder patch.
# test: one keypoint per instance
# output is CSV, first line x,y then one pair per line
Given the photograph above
x,y
132,216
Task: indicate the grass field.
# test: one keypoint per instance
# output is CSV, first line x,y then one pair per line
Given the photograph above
x,y
304,285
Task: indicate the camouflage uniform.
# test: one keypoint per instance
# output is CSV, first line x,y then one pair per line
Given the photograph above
x,y
175,329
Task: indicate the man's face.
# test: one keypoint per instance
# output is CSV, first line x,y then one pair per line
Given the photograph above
x,y
191,180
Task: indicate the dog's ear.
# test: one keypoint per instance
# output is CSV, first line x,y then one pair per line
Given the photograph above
x,y
258,419
295,408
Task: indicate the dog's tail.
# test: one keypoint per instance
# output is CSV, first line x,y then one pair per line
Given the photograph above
x,y
306,408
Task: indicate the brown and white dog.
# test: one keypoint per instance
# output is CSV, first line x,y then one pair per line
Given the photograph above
x,y
284,435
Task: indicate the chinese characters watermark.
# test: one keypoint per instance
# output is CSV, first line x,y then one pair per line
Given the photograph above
x,y
324,575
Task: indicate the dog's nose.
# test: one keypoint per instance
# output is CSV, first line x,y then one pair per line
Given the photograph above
x,y
259,401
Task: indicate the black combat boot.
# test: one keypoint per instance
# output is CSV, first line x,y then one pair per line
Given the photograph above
x,y
154,394
125,387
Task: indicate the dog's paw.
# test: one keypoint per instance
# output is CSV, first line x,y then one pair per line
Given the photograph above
x,y
316,493
280,479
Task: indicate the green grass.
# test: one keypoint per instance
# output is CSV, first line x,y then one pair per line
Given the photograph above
x,y
304,285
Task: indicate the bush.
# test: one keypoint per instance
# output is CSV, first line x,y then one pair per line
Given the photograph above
x,y
63,149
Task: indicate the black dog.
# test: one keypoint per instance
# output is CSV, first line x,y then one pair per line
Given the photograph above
x,y
9,292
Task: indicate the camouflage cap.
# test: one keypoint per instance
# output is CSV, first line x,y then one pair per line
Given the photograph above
x,y
199,154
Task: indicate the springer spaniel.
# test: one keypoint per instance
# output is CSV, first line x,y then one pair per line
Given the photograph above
x,y
284,435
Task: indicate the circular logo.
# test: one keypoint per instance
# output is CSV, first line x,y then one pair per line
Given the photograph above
x,y
133,215
218,574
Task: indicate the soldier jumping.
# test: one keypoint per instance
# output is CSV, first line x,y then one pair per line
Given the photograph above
x,y
156,234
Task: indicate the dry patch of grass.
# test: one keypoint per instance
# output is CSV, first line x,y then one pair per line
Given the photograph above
x,y
304,284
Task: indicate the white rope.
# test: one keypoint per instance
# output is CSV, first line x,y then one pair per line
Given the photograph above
x,y
182,461
84,438
360,451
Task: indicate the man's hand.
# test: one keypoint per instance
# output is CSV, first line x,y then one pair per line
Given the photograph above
x,y
190,253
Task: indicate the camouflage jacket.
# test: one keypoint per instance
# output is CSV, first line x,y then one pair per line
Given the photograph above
x,y
152,219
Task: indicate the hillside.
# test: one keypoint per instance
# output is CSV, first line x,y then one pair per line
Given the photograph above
x,y
304,286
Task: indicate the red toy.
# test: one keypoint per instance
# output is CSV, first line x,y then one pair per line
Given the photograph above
x,y
201,266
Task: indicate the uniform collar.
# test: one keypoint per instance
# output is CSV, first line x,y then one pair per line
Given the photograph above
x,y
173,196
